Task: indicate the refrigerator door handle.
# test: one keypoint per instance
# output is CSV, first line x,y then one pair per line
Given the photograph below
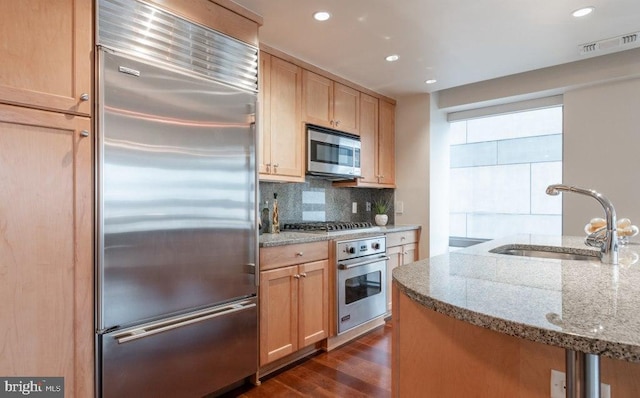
x,y
165,325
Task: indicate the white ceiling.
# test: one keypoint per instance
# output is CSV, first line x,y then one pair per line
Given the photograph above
x,y
456,42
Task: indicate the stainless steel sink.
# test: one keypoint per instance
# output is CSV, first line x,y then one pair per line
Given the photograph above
x,y
559,253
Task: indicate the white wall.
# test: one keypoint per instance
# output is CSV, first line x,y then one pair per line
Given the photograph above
x,y
412,164
602,151
439,178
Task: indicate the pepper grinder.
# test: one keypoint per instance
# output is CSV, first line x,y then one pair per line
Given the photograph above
x,y
266,224
275,222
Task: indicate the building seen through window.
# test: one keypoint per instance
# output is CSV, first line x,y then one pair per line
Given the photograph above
x,y
500,167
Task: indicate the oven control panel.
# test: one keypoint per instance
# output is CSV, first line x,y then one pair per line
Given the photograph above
x,y
361,247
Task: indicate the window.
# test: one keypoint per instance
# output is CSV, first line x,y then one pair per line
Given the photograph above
x,y
500,167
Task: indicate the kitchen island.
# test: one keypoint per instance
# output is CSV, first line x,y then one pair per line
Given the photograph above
x,y
475,323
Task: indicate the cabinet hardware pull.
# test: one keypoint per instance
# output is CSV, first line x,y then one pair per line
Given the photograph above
x,y
84,97
303,274
296,276
402,238
337,122
84,133
299,254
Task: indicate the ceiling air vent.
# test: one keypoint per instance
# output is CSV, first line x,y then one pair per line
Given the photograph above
x,y
627,41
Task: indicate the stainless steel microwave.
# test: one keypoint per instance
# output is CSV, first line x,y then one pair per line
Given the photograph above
x,y
332,154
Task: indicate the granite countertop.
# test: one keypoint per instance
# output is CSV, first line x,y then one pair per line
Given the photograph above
x,y
288,238
585,306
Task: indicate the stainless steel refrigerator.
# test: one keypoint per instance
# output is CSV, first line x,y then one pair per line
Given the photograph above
x,y
176,205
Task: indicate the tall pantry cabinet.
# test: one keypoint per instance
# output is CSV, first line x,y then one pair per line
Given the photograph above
x,y
46,286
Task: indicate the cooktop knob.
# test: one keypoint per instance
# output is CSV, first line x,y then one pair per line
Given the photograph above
x,y
375,245
351,249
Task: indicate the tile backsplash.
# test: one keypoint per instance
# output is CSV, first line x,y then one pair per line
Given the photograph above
x,y
317,200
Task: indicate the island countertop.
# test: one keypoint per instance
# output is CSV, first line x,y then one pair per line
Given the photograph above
x,y
584,306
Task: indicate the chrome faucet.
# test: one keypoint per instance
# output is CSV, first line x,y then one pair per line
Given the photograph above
x,y
606,238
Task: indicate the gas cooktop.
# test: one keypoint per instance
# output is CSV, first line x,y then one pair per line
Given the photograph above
x,y
330,227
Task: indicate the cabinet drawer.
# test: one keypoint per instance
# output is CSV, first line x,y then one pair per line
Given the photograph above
x,y
401,238
280,256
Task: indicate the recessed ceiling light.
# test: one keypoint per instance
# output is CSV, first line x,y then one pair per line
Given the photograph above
x,y
321,16
430,81
581,12
392,58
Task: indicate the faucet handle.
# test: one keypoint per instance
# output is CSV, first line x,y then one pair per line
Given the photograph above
x,y
597,238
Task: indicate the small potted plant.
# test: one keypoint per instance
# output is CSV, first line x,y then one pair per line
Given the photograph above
x,y
380,208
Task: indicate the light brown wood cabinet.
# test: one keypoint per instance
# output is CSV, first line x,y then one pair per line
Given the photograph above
x,y
330,104
225,16
377,140
402,249
46,54
46,258
46,192
368,139
386,170
281,136
294,303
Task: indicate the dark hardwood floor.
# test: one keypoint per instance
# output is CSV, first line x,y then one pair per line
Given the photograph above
x,y
361,368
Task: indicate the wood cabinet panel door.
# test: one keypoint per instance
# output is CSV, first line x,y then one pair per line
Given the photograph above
x,y
368,138
346,109
264,113
287,144
386,147
46,54
395,259
46,259
409,253
317,99
278,313
313,296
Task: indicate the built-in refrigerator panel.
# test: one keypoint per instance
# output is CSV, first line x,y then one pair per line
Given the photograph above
x,y
176,194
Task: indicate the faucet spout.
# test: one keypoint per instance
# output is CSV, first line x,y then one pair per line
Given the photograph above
x,y
607,242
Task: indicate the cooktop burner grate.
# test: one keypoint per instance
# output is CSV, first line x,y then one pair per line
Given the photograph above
x,y
327,226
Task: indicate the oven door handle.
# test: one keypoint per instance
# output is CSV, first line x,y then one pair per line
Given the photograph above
x,y
361,263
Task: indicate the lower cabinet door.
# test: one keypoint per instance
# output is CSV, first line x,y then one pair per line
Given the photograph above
x,y
313,302
294,308
46,256
278,313
395,259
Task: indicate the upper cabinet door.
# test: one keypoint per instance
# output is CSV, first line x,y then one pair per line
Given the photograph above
x,y
386,144
47,54
317,95
346,109
287,136
368,139
264,114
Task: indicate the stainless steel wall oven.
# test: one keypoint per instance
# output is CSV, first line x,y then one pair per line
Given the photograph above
x,y
361,281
